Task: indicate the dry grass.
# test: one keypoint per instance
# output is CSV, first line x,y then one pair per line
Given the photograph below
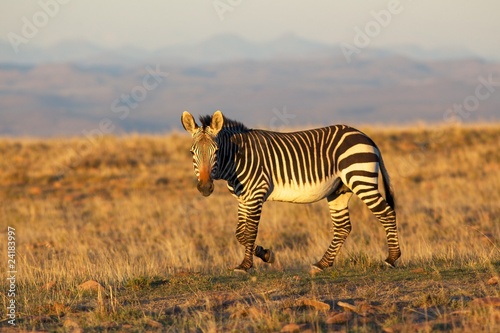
x,y
126,213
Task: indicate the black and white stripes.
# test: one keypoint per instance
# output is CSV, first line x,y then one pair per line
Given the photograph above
x,y
331,162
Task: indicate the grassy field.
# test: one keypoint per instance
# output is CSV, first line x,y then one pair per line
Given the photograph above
x,y
125,213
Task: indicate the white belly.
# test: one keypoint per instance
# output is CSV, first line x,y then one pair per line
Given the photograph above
x,y
303,193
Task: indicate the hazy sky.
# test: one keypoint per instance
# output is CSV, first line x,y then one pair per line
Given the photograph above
x,y
473,25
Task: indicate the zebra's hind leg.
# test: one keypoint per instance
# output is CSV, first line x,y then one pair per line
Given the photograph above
x,y
338,204
387,217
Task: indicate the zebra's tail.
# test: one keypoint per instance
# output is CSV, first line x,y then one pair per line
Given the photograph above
x,y
389,194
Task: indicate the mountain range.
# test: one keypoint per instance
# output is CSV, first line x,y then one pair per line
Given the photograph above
x,y
74,88
220,48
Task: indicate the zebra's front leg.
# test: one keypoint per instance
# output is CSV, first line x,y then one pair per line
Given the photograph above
x,y
246,233
338,204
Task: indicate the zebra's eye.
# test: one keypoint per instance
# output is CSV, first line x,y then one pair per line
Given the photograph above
x,y
192,152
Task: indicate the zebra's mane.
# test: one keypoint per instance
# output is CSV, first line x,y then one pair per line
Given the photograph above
x,y
229,124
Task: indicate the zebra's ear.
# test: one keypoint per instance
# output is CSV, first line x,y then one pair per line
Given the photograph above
x,y
217,122
188,122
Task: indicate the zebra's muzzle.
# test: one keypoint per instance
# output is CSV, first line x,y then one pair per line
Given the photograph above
x,y
205,188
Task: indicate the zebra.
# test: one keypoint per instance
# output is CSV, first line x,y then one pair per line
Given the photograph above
x,y
300,167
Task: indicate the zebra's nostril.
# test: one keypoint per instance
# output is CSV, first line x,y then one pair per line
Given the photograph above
x,y
205,189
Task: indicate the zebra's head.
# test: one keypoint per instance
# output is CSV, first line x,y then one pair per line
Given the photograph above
x,y
204,149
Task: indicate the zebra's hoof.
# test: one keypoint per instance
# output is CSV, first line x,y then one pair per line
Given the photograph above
x,y
390,264
240,270
270,256
315,270
267,255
